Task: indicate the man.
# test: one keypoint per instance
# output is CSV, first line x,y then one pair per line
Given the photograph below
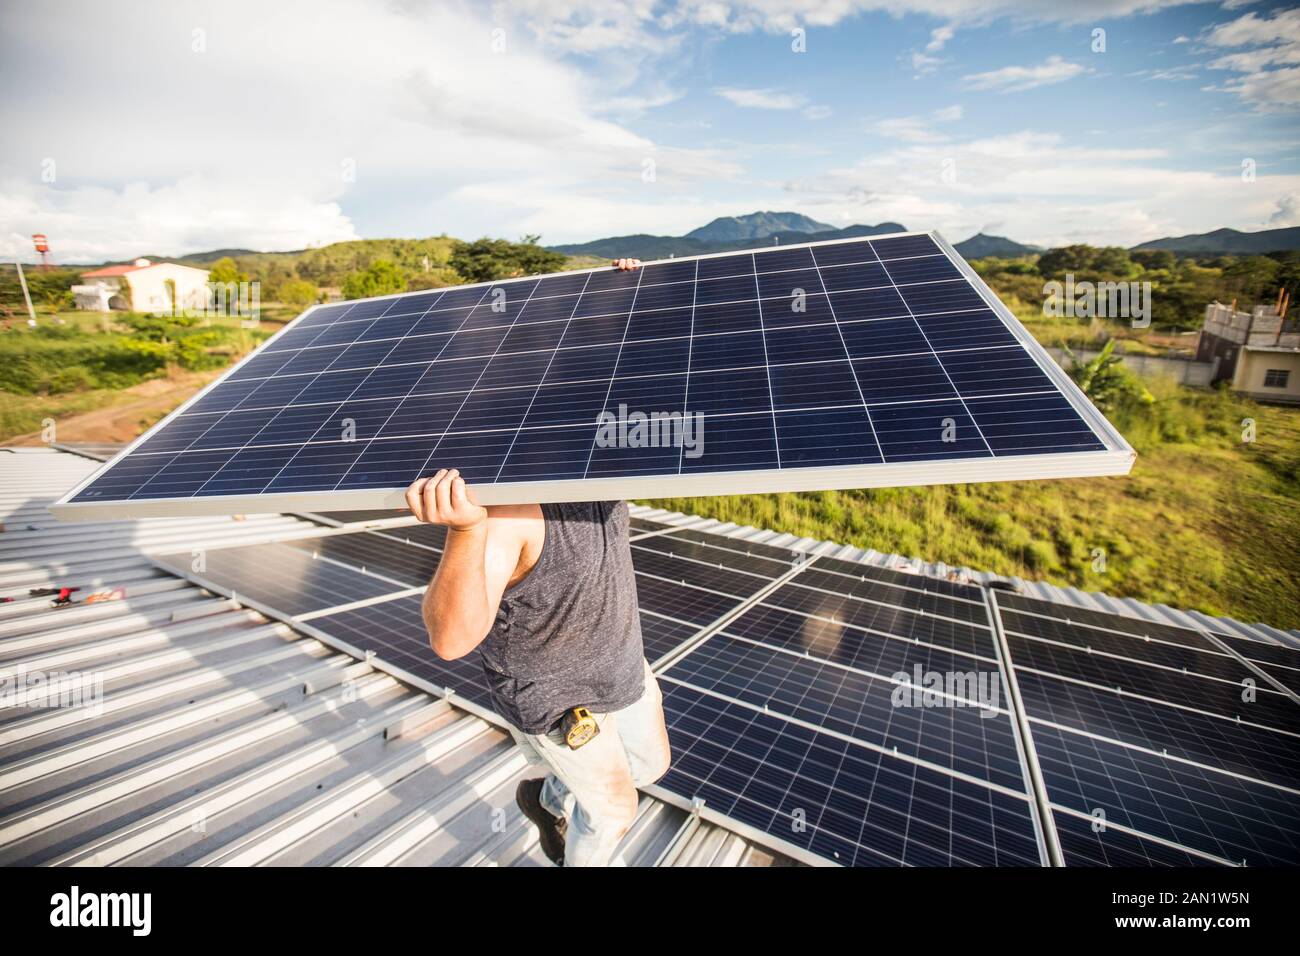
x,y
547,594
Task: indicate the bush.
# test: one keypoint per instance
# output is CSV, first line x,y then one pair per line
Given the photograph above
x,y
382,278
297,292
485,260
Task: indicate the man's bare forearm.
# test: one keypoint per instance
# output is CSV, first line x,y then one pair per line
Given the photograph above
x,y
456,610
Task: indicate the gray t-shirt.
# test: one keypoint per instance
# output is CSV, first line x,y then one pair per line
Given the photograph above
x,y
569,634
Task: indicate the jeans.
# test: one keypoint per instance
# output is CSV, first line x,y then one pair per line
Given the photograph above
x,y
595,786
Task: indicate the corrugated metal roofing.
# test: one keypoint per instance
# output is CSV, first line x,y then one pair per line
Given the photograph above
x,y
219,736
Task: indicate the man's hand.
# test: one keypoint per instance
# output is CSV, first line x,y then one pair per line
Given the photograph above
x,y
443,499
626,265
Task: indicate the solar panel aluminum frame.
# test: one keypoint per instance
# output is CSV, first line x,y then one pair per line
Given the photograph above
x,y
1116,459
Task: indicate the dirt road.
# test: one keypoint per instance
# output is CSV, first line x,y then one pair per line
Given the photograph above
x,y
133,411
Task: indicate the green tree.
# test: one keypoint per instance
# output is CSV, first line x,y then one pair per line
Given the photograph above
x,y
1253,279
1155,259
1087,262
383,277
485,260
226,270
297,292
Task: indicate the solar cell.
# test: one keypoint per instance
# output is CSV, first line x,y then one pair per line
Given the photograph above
x,y
394,631
958,735
1210,740
1084,845
885,619
282,578
1154,729
847,364
1236,820
663,635
1280,663
849,804
1206,661
372,553
1253,702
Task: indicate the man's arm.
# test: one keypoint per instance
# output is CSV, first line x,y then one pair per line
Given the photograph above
x,y
480,557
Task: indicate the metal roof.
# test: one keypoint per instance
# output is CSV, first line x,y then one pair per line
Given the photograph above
x,y
224,737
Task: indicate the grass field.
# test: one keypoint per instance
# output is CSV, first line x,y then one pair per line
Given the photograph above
x,y
78,362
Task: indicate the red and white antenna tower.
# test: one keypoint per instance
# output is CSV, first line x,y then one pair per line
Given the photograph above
x,y
43,247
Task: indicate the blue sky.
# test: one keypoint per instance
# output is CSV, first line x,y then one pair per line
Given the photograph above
x,y
168,128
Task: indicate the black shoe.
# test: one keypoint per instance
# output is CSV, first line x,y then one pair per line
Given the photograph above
x,y
551,829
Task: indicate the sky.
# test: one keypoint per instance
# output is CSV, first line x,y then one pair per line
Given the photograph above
x,y
174,127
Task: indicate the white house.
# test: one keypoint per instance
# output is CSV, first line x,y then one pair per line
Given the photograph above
x,y
143,286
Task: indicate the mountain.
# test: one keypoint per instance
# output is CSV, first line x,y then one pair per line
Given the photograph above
x,y
644,246
981,246
757,225
1229,242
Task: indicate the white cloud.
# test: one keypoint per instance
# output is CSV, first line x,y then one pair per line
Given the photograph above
x,y
1016,79
924,64
90,223
939,36
1273,42
1176,74
1043,188
918,129
760,99
161,149
776,16
1287,212
1251,29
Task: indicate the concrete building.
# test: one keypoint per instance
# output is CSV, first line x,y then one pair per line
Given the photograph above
x,y
143,286
1257,351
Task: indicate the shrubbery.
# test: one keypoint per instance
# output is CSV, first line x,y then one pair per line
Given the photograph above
x,y
55,360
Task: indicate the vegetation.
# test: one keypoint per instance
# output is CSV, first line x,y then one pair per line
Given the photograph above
x,y
381,278
56,359
1106,381
1180,289
487,259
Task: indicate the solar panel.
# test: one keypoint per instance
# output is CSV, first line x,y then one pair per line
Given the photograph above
x,y
843,802
1230,818
1152,732
376,554
857,363
394,631
1280,663
283,579
789,720
1082,844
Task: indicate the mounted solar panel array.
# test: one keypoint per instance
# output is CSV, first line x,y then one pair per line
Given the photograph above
x,y
867,362
793,721
1155,743
795,696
